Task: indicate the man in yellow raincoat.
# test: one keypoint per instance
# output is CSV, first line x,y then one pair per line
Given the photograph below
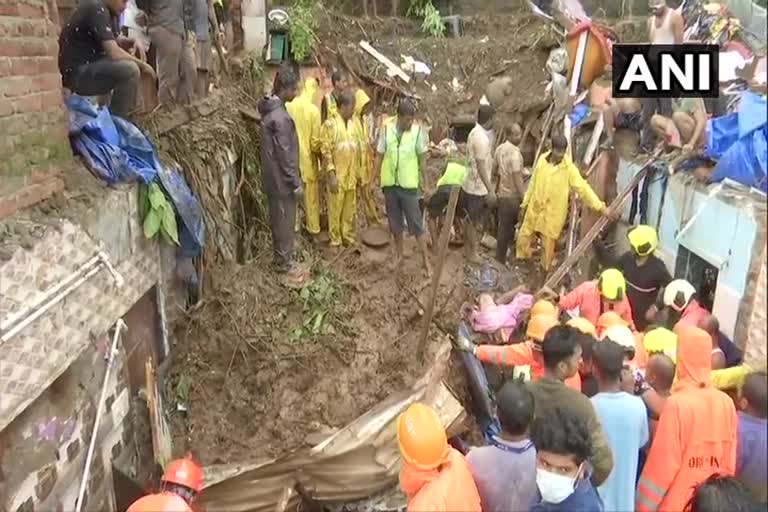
x,y
365,176
545,205
341,156
306,117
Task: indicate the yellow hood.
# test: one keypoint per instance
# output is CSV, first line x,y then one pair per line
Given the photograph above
x,y
309,90
361,100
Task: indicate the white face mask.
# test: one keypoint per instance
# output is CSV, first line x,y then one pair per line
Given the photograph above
x,y
554,488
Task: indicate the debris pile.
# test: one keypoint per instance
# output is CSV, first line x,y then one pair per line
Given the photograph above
x,y
262,370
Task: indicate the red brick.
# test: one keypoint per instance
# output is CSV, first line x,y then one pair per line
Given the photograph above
x,y
5,67
47,65
51,100
8,205
33,194
33,11
28,103
15,86
25,66
6,107
12,47
9,8
47,82
44,172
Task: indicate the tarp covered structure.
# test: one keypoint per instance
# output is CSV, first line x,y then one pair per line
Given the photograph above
x,y
358,461
739,143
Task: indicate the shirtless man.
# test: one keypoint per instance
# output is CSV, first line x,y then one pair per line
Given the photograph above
x,y
665,26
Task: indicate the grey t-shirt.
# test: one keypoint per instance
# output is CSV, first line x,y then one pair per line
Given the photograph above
x,y
168,14
505,475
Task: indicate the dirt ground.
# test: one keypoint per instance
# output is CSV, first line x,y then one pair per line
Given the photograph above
x,y
514,44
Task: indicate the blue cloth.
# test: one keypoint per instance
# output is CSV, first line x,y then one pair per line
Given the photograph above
x,y
584,499
578,114
739,143
116,151
624,420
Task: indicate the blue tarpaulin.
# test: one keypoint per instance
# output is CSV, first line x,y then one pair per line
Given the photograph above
x,y
118,152
739,143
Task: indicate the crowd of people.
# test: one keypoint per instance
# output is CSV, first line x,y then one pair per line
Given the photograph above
x,y
111,48
607,418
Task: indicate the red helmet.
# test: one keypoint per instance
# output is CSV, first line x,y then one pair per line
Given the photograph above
x,y
162,502
185,472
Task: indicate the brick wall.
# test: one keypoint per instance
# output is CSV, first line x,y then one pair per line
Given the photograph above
x,y
33,134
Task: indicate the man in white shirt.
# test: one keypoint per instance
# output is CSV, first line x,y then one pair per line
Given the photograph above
x,y
477,190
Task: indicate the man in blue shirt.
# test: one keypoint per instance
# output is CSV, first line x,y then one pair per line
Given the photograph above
x,y
751,457
624,420
563,448
505,471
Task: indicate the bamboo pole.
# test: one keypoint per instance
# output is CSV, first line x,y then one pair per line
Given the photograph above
x,y
445,236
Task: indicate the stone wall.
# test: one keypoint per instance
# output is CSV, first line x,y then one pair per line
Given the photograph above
x,y
33,129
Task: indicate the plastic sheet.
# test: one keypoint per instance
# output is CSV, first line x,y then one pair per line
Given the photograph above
x,y
484,401
118,152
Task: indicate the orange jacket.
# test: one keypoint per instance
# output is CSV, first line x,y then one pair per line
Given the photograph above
x,y
696,434
693,314
520,354
587,298
449,488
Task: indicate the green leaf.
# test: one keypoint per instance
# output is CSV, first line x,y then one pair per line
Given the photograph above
x,y
156,197
169,226
151,224
318,322
304,294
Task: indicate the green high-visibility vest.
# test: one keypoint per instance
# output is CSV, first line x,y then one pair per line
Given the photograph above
x,y
400,166
454,175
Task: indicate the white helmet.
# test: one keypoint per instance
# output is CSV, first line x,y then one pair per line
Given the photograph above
x,y
678,294
620,334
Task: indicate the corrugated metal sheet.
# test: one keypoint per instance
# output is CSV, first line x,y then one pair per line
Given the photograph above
x,y
360,460
33,359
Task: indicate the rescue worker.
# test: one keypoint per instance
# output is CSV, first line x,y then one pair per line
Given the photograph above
x,y
306,117
657,341
435,477
588,381
401,164
593,298
365,170
341,158
454,175
545,205
545,307
329,107
583,325
644,272
606,321
181,482
696,434
681,305
525,357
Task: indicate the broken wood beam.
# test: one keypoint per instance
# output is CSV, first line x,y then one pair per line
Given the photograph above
x,y
445,236
391,66
555,278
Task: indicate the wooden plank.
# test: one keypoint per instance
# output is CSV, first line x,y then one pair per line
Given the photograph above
x,y
394,69
161,435
555,278
445,235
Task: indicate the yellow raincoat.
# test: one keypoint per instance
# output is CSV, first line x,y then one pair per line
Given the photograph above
x,y
546,205
365,175
306,117
340,145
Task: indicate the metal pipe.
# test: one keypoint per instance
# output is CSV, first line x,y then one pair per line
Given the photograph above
x,y
119,326
11,320
13,331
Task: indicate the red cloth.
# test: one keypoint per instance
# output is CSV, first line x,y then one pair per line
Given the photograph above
x,y
693,314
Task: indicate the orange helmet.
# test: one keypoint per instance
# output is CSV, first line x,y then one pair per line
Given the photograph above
x,y
421,437
544,307
184,472
582,324
162,502
538,326
608,319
